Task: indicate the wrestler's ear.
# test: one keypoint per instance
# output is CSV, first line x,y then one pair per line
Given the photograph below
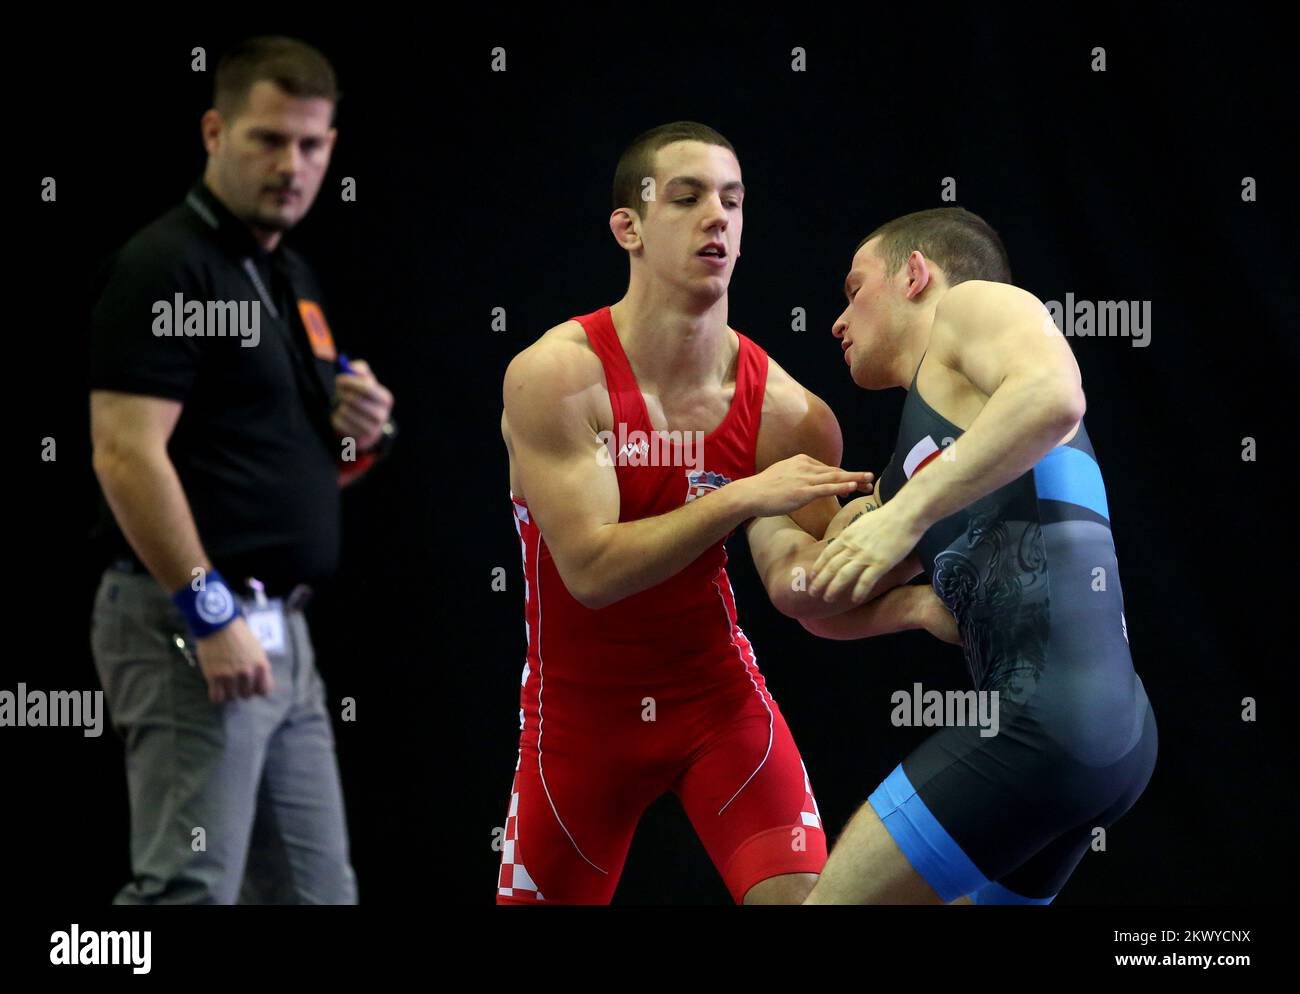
x,y
918,274
626,227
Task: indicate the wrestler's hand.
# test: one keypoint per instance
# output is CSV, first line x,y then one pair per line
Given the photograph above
x,y
788,485
863,553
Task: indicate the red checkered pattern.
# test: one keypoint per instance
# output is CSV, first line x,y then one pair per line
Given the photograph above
x,y
514,880
810,814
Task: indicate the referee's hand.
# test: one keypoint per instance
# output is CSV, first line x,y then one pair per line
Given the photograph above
x,y
234,663
363,405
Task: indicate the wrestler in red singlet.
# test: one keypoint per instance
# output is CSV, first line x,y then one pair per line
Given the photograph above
x,y
657,692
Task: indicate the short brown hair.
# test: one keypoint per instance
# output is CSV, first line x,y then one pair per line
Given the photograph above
x,y
294,66
638,159
963,244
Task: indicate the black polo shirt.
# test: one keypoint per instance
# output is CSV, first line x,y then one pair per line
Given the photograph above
x,y
253,447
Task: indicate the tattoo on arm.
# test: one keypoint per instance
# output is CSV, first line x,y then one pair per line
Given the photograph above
x,y
865,509
861,511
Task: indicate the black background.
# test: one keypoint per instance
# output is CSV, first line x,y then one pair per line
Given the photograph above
x,y
480,190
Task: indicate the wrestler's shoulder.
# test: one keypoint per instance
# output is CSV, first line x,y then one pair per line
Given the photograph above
x,y
973,293
784,395
562,356
795,420
974,303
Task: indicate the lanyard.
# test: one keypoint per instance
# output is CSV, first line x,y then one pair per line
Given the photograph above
x,y
303,374
251,270
246,263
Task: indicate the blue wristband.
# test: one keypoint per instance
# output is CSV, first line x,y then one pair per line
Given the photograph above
x,y
208,610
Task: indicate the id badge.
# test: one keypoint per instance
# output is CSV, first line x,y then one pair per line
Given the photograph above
x,y
268,625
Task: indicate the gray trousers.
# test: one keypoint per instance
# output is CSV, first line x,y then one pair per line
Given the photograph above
x,y
256,775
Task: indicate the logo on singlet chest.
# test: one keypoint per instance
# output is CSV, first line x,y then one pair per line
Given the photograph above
x,y
700,482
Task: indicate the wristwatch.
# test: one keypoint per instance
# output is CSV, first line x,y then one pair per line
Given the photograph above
x,y
388,435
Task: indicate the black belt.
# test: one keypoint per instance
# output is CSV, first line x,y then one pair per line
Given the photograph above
x,y
295,595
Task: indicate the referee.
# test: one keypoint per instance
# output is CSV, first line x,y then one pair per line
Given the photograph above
x,y
224,423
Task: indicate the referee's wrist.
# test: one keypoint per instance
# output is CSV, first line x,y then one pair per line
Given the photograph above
x,y
208,608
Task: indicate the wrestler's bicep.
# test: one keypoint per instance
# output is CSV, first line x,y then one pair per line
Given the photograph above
x,y
563,464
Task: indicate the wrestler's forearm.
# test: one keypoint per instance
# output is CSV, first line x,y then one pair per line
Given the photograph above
x,y
637,555
798,603
893,611
788,577
1023,420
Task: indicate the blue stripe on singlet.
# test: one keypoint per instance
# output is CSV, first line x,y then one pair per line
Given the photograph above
x,y
1071,475
932,852
995,893
927,845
